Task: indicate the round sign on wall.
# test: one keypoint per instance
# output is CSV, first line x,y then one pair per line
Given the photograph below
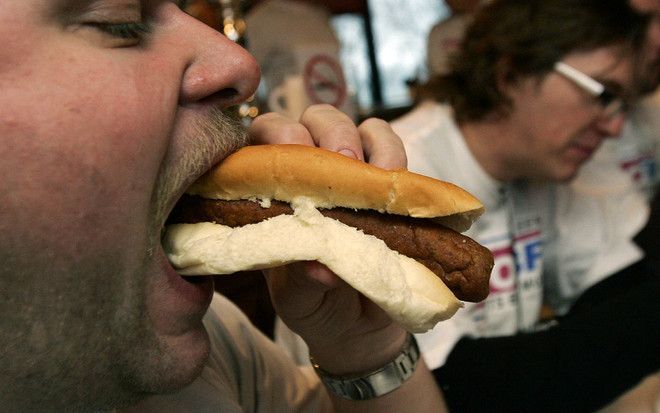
x,y
324,80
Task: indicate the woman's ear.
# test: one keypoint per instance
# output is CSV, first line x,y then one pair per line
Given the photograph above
x,y
505,82
504,76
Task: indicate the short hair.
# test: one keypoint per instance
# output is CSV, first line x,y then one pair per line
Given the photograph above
x,y
524,38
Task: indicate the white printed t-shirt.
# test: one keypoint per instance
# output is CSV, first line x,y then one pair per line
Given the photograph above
x,y
512,228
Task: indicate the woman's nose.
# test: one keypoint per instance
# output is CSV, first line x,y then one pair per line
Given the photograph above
x,y
612,126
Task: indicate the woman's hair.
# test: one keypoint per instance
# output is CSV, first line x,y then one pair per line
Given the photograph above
x,y
511,39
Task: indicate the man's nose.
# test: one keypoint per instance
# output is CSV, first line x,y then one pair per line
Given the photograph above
x,y
218,69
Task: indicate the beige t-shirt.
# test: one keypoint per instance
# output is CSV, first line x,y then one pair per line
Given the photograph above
x,y
246,372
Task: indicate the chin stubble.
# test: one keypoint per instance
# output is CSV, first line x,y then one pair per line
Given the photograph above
x,y
80,339
209,139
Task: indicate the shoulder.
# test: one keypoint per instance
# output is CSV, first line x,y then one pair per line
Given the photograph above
x,y
423,120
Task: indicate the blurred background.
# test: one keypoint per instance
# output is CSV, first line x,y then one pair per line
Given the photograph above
x,y
380,46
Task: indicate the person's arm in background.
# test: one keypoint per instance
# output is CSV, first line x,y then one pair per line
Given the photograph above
x,y
649,238
346,333
607,343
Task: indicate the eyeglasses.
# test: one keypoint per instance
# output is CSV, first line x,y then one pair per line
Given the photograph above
x,y
612,103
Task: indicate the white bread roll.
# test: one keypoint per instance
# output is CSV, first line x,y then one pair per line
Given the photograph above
x,y
409,292
329,179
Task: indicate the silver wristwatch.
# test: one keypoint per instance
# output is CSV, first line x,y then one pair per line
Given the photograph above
x,y
377,382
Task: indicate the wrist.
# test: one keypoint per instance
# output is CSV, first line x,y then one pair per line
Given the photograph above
x,y
377,382
357,356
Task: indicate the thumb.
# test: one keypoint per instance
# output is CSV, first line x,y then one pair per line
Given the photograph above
x,y
298,289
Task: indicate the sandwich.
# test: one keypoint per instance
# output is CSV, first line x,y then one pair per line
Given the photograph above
x,y
395,236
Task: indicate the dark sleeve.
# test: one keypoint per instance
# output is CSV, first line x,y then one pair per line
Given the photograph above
x,y
649,238
606,345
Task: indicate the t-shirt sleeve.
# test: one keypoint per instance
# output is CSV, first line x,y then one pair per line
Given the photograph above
x,y
245,372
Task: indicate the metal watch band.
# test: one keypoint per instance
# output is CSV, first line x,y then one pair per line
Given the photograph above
x,y
377,382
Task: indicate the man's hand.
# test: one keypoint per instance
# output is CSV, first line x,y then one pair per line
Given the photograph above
x,y
326,127
345,331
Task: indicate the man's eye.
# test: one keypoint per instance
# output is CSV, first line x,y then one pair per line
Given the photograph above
x,y
127,31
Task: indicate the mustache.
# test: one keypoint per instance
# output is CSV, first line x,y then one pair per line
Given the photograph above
x,y
208,139
219,133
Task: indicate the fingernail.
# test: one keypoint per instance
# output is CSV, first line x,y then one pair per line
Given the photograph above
x,y
349,153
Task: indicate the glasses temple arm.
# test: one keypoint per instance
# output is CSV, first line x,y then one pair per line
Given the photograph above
x,y
593,86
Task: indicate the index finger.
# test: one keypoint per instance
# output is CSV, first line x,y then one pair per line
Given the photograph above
x,y
333,130
373,141
382,147
273,128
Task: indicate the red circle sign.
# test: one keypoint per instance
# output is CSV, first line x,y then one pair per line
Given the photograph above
x,y
324,80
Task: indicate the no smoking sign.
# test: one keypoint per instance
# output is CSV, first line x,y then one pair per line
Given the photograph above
x,y
324,80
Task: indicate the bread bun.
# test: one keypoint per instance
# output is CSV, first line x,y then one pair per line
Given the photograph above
x,y
410,293
329,179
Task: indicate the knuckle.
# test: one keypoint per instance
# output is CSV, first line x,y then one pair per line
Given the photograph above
x,y
375,123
